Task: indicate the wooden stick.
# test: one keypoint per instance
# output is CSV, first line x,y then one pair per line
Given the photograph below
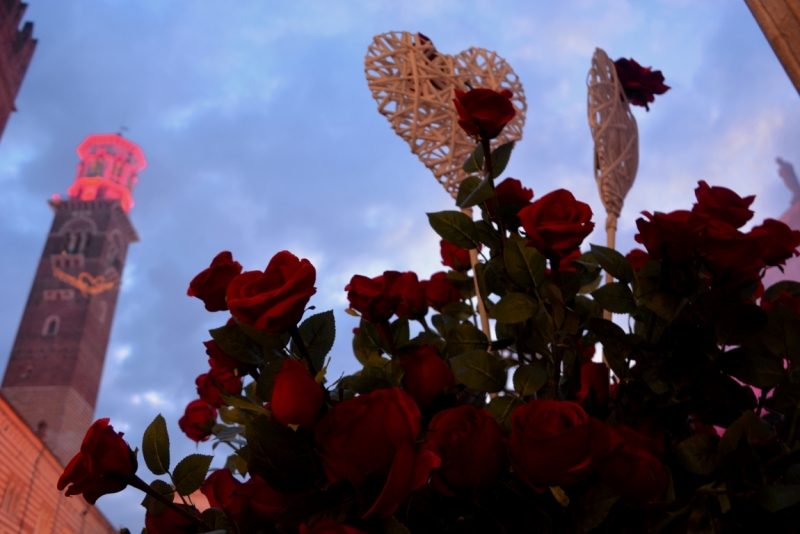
x,y
473,260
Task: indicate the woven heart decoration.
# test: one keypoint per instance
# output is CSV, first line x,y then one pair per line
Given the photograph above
x,y
414,87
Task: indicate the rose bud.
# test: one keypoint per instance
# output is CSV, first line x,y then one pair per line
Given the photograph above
x,y
273,300
472,448
483,113
296,397
410,293
198,420
370,439
556,224
722,204
372,297
674,235
638,258
329,526
640,84
778,240
103,454
172,522
555,443
454,257
259,498
211,284
219,381
426,374
440,291
633,468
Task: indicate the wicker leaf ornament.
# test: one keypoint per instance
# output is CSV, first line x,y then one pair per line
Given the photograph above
x,y
413,85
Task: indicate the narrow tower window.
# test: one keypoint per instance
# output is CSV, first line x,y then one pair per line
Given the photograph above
x,y
51,324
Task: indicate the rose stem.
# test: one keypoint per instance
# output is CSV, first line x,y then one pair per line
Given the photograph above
x,y
489,171
138,483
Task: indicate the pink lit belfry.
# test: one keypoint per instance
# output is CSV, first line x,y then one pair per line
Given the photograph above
x,y
108,169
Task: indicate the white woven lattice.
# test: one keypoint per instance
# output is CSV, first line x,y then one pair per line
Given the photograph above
x,y
615,134
413,85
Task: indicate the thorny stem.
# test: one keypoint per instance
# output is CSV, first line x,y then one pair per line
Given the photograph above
x,y
489,172
136,482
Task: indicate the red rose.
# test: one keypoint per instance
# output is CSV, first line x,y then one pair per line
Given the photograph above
x,y
426,374
640,84
220,489
259,497
483,113
372,297
171,522
329,526
198,420
730,253
371,437
273,301
454,257
219,381
784,299
511,192
102,453
638,258
595,378
674,235
472,448
296,397
210,285
410,295
722,204
440,291
554,443
556,224
633,468
779,241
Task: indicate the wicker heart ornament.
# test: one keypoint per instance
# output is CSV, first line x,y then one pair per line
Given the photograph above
x,y
414,87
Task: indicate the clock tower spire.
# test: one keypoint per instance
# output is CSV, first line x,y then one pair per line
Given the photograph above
x,y
54,371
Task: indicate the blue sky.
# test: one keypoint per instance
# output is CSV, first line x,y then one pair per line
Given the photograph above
x,y
261,135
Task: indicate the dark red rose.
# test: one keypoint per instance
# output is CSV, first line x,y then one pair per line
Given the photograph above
x,y
211,284
472,448
730,253
372,298
273,301
779,241
556,224
198,420
510,191
217,382
638,258
102,453
454,257
171,522
674,235
640,84
371,438
426,374
329,526
259,497
722,204
555,443
483,113
220,489
296,397
440,291
633,468
784,299
410,295
595,380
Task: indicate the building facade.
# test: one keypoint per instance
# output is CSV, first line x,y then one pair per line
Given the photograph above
x,y
16,50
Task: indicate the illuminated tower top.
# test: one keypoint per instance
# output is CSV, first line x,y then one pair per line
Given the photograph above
x,y
108,169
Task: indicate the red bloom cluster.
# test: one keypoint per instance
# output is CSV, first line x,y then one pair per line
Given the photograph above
x,y
640,84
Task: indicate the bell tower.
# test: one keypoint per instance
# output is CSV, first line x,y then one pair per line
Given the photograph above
x,y
54,371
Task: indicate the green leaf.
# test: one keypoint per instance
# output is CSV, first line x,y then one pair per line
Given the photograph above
x,y
480,194
752,368
474,162
616,347
364,350
460,311
735,324
782,333
190,473
233,341
391,525
281,456
488,235
777,497
749,426
525,265
155,446
456,228
267,340
214,520
790,286
514,308
501,409
443,323
785,400
266,380
466,187
529,378
613,263
371,335
590,508
698,453
500,157
318,332
465,338
615,297
400,332
666,305
479,370
153,506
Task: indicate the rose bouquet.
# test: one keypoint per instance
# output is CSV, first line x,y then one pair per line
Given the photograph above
x,y
444,430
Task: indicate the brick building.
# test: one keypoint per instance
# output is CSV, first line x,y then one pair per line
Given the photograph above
x,y
16,50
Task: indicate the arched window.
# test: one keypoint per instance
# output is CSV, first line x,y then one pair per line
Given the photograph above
x,y
12,499
50,327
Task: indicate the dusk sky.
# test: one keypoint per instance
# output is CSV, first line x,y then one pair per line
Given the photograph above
x,y
261,135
